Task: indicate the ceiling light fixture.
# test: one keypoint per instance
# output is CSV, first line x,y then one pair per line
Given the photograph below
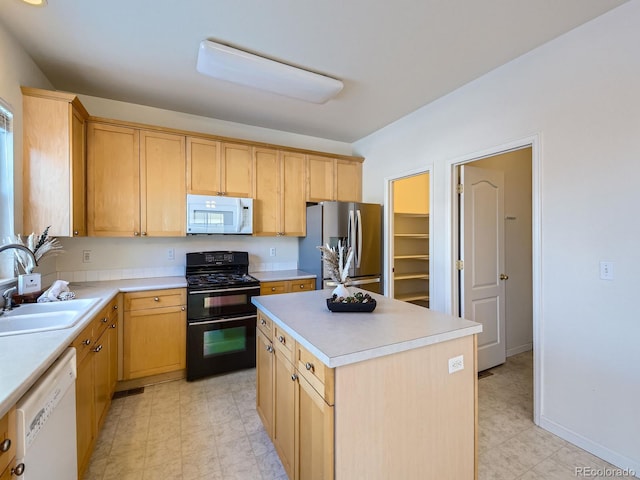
x,y
36,3
236,66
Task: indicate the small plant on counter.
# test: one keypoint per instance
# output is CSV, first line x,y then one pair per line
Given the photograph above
x,y
337,261
42,246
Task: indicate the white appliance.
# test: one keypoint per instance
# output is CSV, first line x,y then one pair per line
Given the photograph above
x,y
207,214
46,431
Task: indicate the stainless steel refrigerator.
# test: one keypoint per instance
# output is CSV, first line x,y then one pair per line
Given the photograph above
x,y
359,225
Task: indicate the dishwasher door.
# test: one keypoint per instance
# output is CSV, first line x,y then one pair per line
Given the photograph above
x,y
46,430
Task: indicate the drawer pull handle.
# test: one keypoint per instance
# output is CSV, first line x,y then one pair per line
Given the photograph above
x,y
309,366
6,445
98,348
263,321
156,299
294,377
273,289
86,342
281,339
302,285
18,470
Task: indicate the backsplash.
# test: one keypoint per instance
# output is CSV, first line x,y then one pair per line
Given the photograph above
x,y
123,258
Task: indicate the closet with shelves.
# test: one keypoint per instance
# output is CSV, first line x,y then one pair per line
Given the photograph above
x,y
411,240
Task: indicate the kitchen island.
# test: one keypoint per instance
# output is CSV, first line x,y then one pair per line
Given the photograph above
x,y
387,394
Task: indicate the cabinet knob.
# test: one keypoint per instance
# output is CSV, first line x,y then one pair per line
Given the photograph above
x,y
294,377
98,348
115,307
87,341
18,470
156,299
75,232
309,366
504,276
6,445
269,349
113,325
182,308
135,234
263,321
144,234
281,339
105,319
273,289
302,285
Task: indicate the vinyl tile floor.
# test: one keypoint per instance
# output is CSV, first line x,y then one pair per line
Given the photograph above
x,y
209,430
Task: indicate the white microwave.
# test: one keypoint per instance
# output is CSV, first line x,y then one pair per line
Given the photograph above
x,y
208,214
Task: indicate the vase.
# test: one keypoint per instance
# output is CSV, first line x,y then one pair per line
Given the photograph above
x,y
341,290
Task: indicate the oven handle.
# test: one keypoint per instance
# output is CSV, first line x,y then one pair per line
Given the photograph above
x,y
220,320
218,290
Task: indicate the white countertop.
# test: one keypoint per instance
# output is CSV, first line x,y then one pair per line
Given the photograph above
x,y
339,339
279,275
24,358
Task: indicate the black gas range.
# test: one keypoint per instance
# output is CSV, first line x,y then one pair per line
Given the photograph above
x,y
221,320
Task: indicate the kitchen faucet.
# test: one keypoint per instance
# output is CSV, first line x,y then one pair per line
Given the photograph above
x,y
34,263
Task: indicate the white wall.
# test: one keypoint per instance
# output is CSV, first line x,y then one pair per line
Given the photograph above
x,y
580,94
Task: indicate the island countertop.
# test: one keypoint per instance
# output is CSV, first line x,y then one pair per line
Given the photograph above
x,y
339,339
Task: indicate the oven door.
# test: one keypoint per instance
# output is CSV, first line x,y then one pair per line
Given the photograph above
x,y
220,302
220,345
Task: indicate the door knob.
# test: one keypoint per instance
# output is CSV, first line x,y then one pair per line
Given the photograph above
x,y
504,276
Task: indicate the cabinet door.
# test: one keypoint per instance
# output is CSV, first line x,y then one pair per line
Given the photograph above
x,y
154,341
203,166
293,207
237,170
285,392
320,178
266,203
101,358
264,381
162,169
113,181
113,351
78,175
348,181
85,408
314,435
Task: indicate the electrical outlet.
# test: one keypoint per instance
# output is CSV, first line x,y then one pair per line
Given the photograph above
x,y
171,254
272,251
456,363
606,270
86,256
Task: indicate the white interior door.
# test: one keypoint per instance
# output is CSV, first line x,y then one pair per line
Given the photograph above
x,y
482,290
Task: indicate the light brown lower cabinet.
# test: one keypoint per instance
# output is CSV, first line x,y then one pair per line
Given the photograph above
x,y
96,348
8,442
401,415
287,286
154,334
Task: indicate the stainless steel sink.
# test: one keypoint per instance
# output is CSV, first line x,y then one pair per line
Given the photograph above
x,y
41,317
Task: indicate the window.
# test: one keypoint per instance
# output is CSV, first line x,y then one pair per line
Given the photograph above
x,y
6,187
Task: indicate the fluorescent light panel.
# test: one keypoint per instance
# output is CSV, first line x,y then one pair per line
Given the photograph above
x,y
232,65
36,3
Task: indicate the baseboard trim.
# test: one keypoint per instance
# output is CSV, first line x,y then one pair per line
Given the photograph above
x,y
151,380
592,447
522,348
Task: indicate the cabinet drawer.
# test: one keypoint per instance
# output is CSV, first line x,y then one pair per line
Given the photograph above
x,y
7,438
273,288
304,285
265,325
316,373
154,299
284,343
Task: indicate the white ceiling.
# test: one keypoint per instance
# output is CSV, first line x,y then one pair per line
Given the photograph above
x,y
393,56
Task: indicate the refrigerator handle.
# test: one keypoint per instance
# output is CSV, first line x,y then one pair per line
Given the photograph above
x,y
359,240
351,233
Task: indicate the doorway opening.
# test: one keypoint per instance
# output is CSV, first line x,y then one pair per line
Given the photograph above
x,y
495,248
409,243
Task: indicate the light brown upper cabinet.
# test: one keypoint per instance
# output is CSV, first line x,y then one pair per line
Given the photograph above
x,y
219,168
53,163
135,182
333,179
279,202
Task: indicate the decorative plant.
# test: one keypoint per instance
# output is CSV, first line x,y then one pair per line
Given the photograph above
x,y
337,261
42,246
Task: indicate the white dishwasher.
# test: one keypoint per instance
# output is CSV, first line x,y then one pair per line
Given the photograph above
x,y
46,430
